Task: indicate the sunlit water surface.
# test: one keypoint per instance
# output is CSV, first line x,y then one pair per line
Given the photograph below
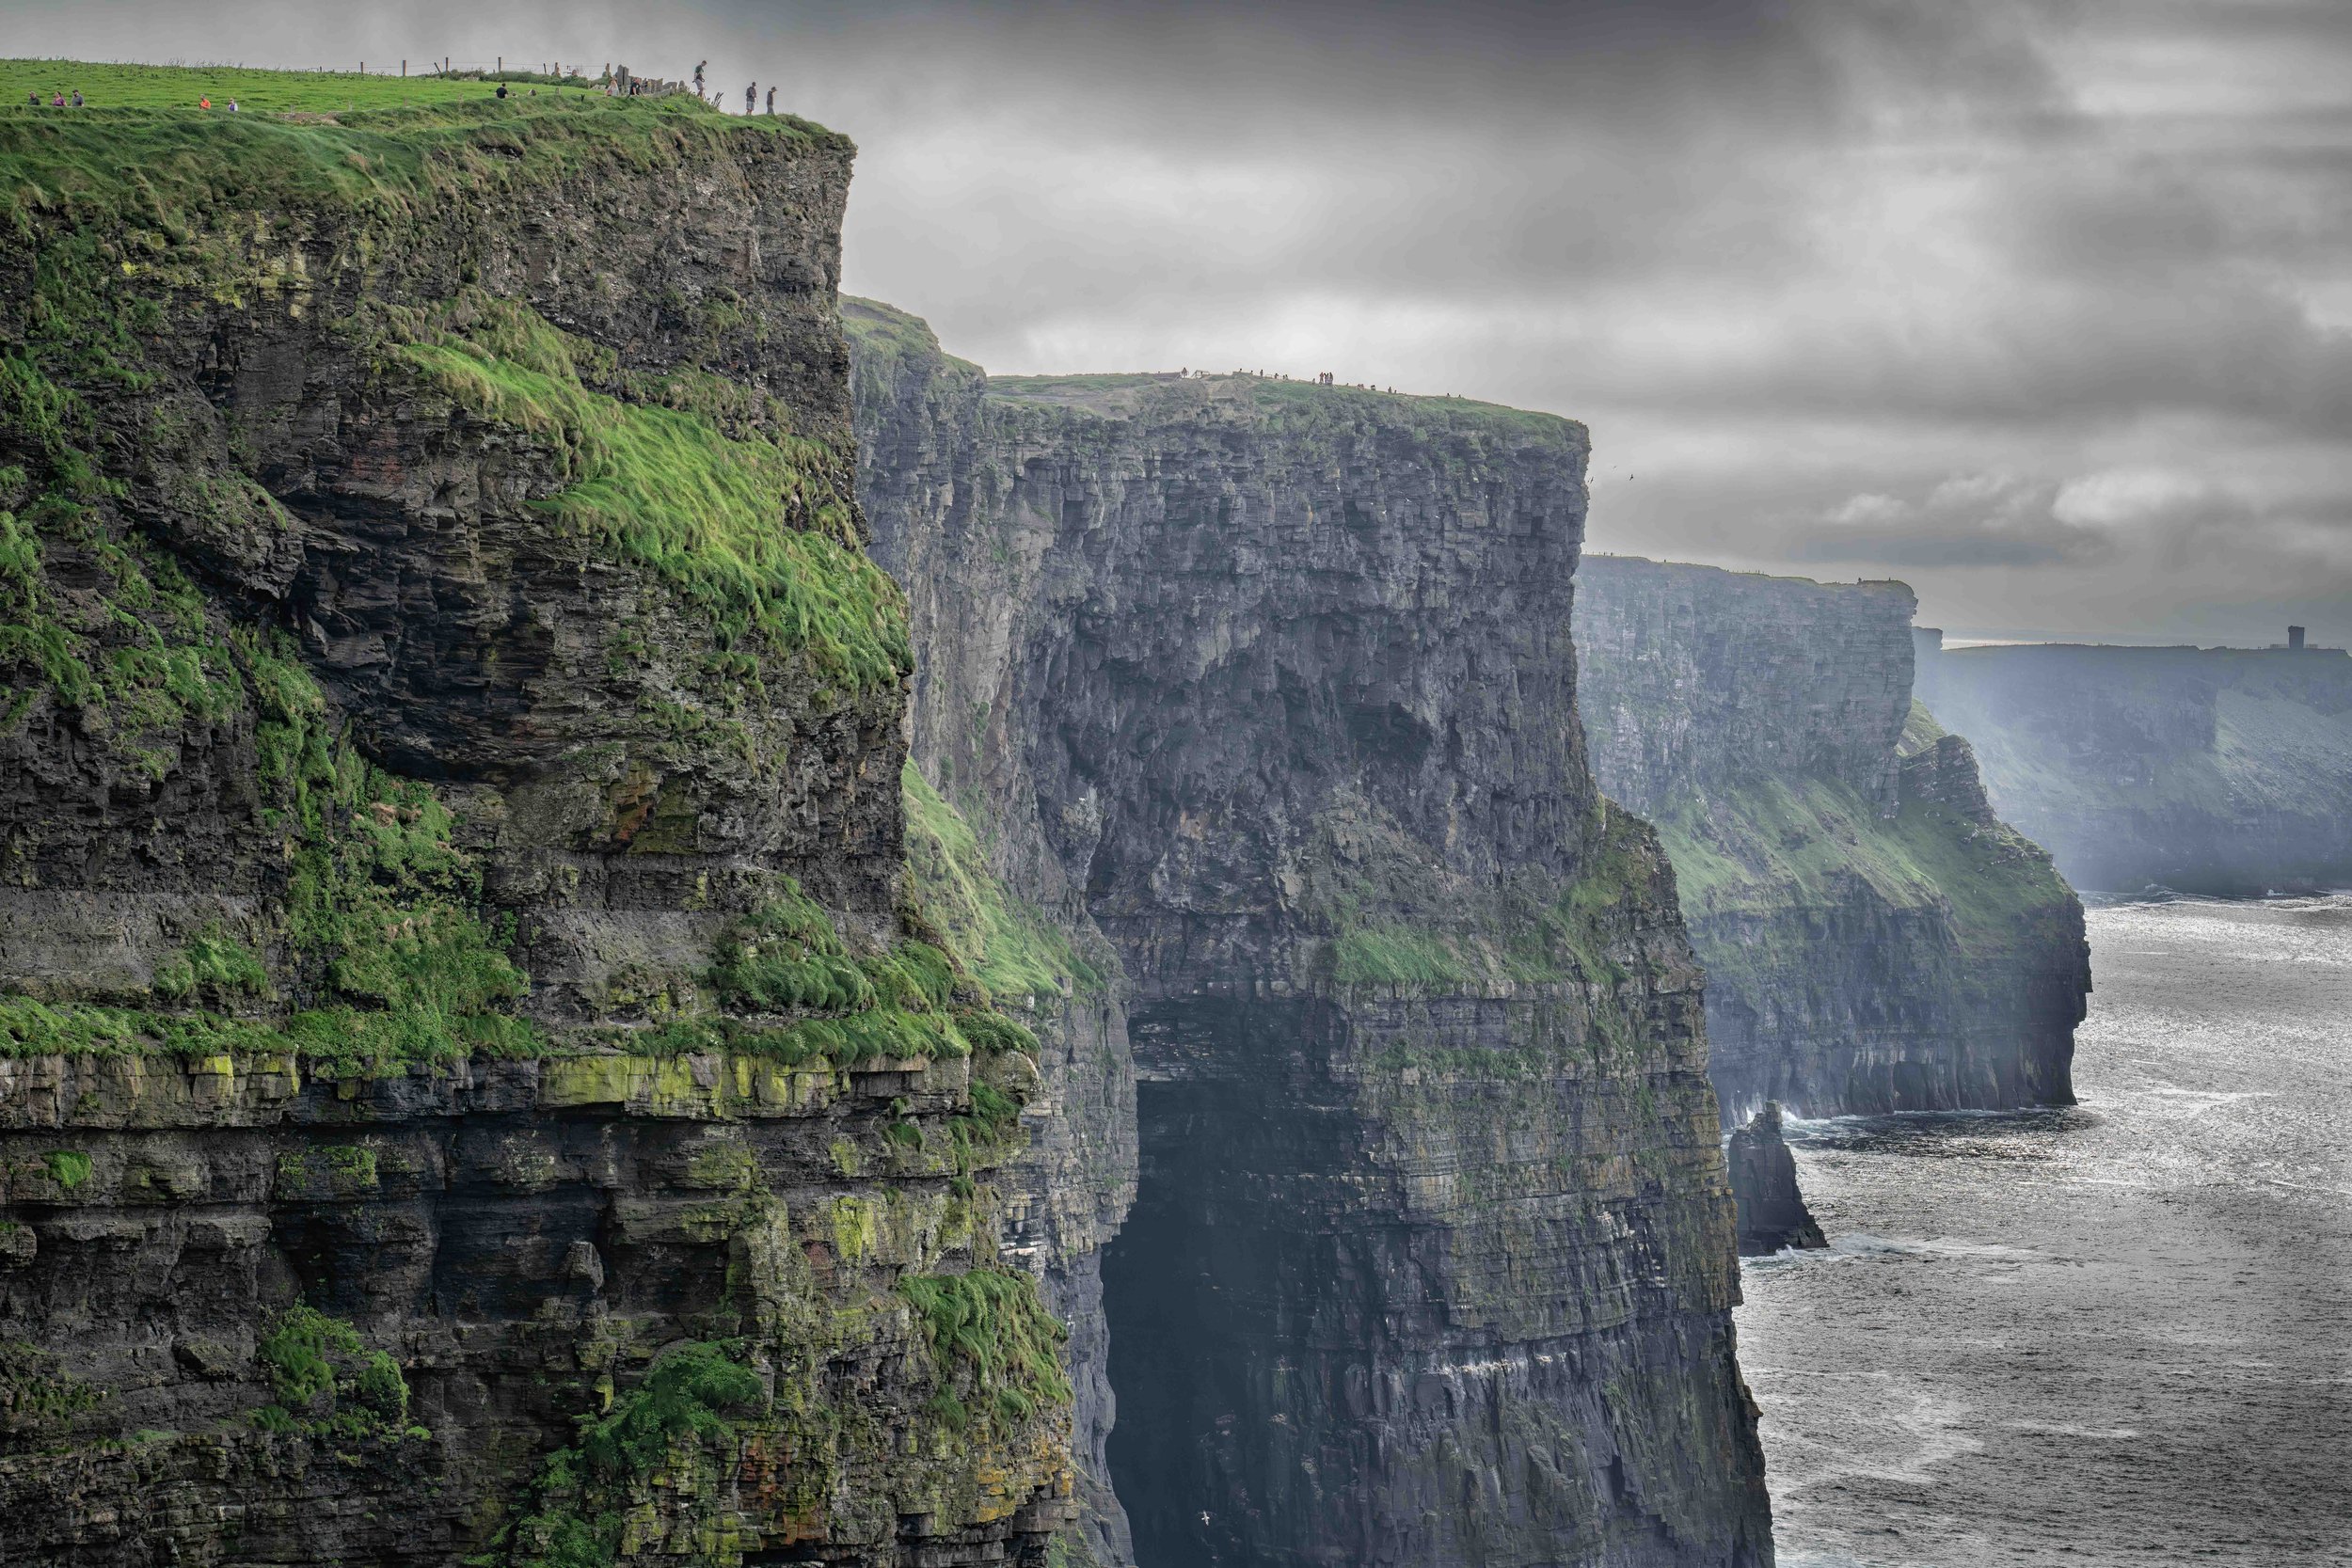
x,y
2116,1334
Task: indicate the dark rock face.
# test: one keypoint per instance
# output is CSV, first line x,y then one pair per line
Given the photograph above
x,y
333,707
1874,938
2210,771
515,1235
1772,1214
1430,1260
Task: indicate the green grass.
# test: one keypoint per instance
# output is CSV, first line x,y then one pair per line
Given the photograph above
x,y
1920,730
1009,945
118,86
67,1168
990,1337
691,1394
785,958
757,531
1300,407
891,339
393,954
1397,920
325,1380
216,966
381,903
135,651
1778,844
154,181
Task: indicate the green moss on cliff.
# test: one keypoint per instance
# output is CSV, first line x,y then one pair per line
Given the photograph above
x,y
786,956
1399,919
132,647
215,966
689,1400
1774,844
325,1380
755,531
383,916
991,1339
1008,943
1920,730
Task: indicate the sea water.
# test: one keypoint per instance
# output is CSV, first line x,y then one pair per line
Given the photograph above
x,y
2118,1332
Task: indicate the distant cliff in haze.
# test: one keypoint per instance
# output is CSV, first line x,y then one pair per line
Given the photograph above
x,y
2217,770
1874,938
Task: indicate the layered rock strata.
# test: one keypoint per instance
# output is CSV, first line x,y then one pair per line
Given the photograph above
x,y
1431,1258
1875,938
478,1079
2225,771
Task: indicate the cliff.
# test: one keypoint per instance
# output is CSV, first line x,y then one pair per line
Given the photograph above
x,y
478,1079
1874,938
2213,770
1430,1260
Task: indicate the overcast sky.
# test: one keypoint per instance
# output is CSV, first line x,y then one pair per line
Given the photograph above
x,y
2045,308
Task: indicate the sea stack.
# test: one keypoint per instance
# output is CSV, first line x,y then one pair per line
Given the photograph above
x,y
1772,1214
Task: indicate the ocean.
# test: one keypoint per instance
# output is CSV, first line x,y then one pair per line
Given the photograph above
x,y
2114,1334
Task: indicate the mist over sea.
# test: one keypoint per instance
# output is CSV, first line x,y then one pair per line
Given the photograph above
x,y
2116,1334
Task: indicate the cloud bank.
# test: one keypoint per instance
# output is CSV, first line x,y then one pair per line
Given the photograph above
x,y
2045,306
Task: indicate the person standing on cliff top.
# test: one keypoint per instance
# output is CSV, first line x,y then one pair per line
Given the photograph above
x,y
698,78
771,101
751,99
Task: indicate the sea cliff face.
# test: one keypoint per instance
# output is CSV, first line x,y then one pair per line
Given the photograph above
x,y
1874,938
1430,1260
477,1077
2215,771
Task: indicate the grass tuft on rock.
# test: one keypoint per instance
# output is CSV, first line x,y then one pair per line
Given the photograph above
x,y
1011,946
991,1339
755,531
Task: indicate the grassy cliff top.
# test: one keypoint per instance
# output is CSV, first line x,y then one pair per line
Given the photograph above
x,y
1699,570
142,148
1122,395
889,337
111,86
886,334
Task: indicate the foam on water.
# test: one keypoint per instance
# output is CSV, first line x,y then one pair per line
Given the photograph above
x,y
2112,1334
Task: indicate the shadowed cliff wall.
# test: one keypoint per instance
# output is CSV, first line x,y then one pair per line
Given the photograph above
x,y
1430,1261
